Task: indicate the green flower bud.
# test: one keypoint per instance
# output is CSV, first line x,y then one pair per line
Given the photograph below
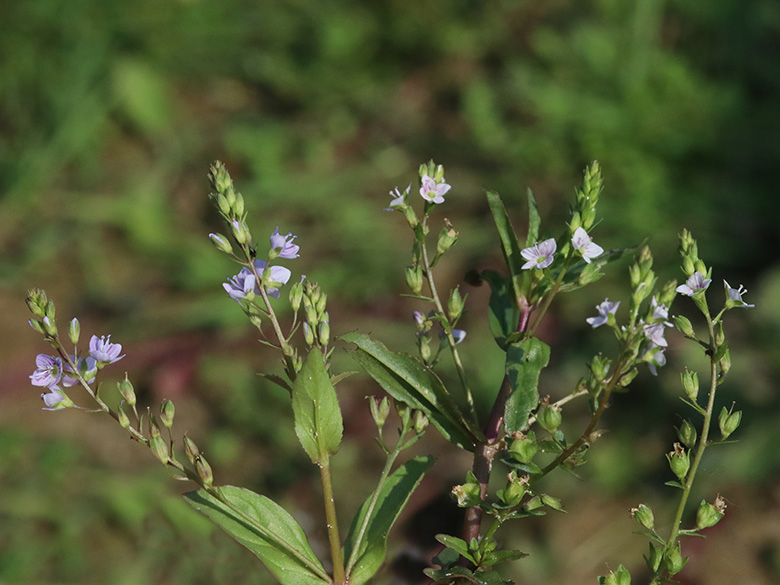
x,y
49,326
702,267
654,558
688,266
515,489
308,334
51,310
674,561
523,447
469,494
324,332
159,447
221,243
729,421
549,417
447,238
645,261
190,449
379,410
296,295
687,434
221,203
37,326
203,469
414,279
684,326
600,366
404,412
126,390
154,428
167,411
710,514
621,577
74,331
240,232
679,461
644,515
310,312
238,205
320,305
122,419
219,178
575,222
425,349
419,421
628,377
455,305
690,382
725,362
438,173
36,301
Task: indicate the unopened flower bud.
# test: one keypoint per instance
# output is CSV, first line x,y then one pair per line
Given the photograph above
x,y
414,278
688,266
575,222
447,238
549,417
167,411
324,331
515,489
380,409
709,514
600,366
644,515
51,310
690,382
126,390
159,447
524,447
49,326
419,421
455,305
122,418
221,202
679,461
701,267
404,412
154,428
725,362
74,331
684,325
687,434
310,312
425,349
321,303
190,449
36,302
308,334
654,558
221,243
203,469
729,421
438,174
238,205
219,178
620,577
36,326
240,232
674,561
296,296
628,377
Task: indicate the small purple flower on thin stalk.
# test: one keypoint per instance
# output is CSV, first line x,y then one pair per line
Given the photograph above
x,y
244,284
48,372
87,367
604,310
655,333
657,360
103,350
585,246
433,191
696,283
660,311
288,249
540,255
398,198
457,334
55,399
735,296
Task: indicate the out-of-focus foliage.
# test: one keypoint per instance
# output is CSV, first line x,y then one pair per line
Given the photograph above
x,y
111,112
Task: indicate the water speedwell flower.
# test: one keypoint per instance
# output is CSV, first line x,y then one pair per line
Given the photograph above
x,y
48,372
55,399
735,296
695,284
584,245
540,255
655,333
604,310
398,198
285,243
244,284
103,350
433,191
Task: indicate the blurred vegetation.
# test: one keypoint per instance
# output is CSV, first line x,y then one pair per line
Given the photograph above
x,y
111,112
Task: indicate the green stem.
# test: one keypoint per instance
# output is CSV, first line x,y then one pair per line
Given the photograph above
x,y
287,350
339,576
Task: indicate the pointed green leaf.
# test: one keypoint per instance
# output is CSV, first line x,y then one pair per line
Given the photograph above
x,y
266,529
524,363
366,544
459,545
503,314
409,381
318,421
509,245
534,221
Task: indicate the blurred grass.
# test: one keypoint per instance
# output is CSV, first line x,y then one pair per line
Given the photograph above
x,y
110,114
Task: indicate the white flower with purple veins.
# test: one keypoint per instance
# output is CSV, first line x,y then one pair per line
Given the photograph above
x,y
655,333
657,360
735,295
433,191
288,249
55,399
48,372
540,255
398,198
103,351
696,283
244,283
660,311
585,246
457,334
604,310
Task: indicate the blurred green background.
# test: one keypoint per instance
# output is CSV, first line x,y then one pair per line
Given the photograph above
x,y
110,114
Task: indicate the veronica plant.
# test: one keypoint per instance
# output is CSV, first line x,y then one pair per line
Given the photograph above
x,y
523,434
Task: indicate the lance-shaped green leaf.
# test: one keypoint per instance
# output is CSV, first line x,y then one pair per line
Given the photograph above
x,y
524,363
366,544
318,421
409,381
266,529
509,246
503,313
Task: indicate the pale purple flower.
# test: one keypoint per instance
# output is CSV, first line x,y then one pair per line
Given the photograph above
x,y
103,351
604,310
398,198
660,311
655,333
585,245
87,367
289,250
657,360
244,283
735,294
48,372
540,255
55,399
419,317
457,334
695,284
433,191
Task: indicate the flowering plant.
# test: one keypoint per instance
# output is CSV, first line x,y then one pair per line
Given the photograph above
x,y
522,434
